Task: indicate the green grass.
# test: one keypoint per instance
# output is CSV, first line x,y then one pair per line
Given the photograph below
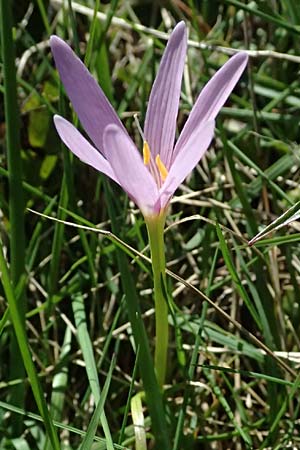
x,y
77,326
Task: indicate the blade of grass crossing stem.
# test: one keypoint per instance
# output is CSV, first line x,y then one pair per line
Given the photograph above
x,y
16,202
60,383
18,324
146,365
88,356
99,411
235,278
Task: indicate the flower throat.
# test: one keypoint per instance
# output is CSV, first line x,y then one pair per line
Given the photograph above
x,y
157,168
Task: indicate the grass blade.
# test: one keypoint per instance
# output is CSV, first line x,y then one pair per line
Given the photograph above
x,y
88,356
19,328
235,277
283,220
92,428
16,201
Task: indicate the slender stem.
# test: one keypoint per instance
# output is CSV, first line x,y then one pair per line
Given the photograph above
x,y
153,393
155,228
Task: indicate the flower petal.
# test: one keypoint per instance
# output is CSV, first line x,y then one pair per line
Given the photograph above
x,y
213,97
127,164
92,107
81,147
187,159
160,121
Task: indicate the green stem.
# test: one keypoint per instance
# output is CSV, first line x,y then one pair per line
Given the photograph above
x,y
155,228
153,393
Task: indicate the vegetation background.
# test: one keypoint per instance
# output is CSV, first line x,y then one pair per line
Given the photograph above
x,y
65,336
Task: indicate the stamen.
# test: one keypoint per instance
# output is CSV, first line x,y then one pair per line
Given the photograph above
x,y
146,153
138,126
157,169
161,167
146,148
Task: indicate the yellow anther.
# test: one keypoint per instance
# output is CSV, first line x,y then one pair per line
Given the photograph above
x,y
161,167
146,153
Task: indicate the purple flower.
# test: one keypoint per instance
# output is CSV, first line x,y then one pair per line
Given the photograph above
x,y
151,180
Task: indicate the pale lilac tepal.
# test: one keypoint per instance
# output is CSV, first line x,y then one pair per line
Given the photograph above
x,y
150,181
